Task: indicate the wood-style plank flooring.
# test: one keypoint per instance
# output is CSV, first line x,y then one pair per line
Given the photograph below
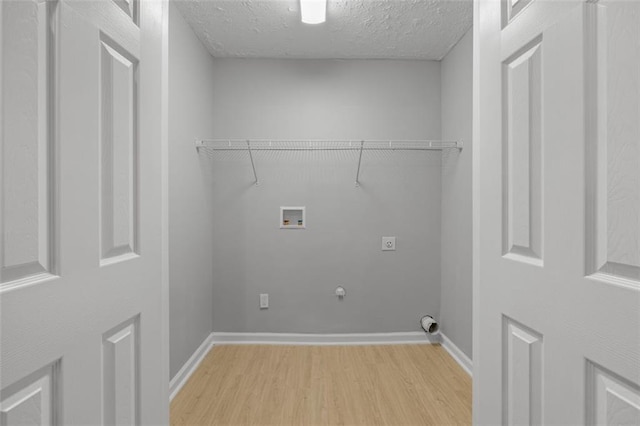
x,y
325,385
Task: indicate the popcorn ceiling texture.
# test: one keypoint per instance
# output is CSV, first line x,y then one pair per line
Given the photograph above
x,y
366,29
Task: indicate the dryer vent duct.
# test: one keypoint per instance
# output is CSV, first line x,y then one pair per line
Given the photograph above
x,y
430,325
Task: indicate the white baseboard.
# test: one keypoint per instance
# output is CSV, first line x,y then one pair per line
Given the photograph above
x,y
181,377
459,356
219,338
412,337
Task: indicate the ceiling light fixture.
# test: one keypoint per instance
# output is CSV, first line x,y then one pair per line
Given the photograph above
x,y
313,11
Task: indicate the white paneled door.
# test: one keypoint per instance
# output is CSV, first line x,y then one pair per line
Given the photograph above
x,y
557,212
81,286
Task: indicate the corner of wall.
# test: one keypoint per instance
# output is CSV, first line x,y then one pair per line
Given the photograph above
x,y
456,209
190,246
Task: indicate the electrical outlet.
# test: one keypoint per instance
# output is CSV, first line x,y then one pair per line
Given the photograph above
x,y
388,243
264,301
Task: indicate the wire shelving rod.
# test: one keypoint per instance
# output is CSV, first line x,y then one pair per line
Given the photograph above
x,y
251,145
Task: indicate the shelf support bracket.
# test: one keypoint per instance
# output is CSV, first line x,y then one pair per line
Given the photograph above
x,y
253,166
359,162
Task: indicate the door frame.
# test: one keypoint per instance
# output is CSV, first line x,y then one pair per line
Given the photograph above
x,y
476,199
475,216
164,211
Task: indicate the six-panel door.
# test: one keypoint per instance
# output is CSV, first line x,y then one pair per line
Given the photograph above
x,y
80,278
557,299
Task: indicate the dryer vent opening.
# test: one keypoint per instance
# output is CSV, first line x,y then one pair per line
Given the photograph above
x,y
429,324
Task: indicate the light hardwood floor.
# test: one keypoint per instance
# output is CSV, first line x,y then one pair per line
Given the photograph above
x,y
325,385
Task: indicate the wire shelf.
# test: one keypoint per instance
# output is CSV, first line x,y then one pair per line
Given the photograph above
x,y
311,145
251,145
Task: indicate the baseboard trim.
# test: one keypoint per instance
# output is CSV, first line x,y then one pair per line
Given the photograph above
x,y
460,357
221,338
181,377
412,337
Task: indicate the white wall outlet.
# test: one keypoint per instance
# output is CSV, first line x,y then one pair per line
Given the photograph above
x,y
264,301
388,243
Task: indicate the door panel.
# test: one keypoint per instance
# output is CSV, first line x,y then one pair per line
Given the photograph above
x,y
557,199
613,234
611,400
522,374
522,153
35,400
81,336
26,88
118,154
121,364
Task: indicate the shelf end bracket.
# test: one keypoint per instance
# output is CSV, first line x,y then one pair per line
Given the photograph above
x,y
253,166
359,163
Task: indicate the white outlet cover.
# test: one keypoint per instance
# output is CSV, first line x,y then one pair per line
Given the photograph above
x,y
264,301
388,243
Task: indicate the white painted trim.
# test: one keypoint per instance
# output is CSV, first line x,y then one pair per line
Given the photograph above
x,y
181,377
164,208
412,337
476,196
459,356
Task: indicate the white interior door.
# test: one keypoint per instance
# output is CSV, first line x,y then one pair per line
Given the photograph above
x,y
81,284
557,212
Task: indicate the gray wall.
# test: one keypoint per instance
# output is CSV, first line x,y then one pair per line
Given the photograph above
x,y
370,99
399,196
190,219
456,306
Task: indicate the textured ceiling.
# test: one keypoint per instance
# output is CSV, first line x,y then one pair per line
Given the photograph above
x,y
400,29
